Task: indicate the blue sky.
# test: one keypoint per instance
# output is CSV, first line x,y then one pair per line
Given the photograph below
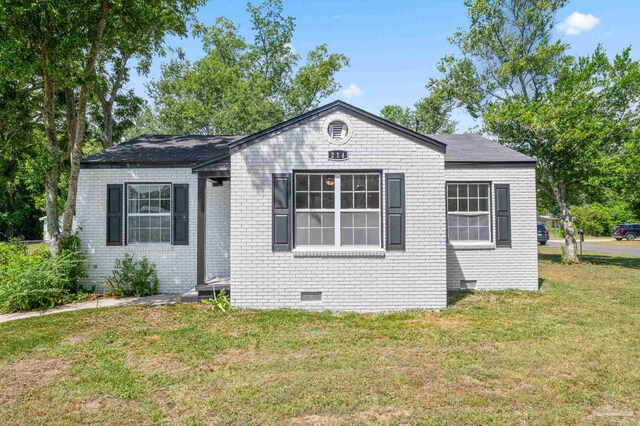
x,y
394,45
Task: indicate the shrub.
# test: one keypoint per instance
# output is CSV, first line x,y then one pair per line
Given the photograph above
x,y
38,280
132,277
598,220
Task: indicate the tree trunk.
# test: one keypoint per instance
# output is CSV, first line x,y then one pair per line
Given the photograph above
x,y
81,119
570,255
107,131
52,177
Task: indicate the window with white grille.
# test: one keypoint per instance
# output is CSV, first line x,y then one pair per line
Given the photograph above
x,y
468,212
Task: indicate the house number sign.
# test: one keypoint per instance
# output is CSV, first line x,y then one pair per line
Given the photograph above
x,y
338,155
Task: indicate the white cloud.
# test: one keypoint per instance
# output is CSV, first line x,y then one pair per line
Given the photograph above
x,y
353,91
578,22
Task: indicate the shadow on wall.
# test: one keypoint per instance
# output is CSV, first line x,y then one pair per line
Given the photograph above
x,y
455,274
284,156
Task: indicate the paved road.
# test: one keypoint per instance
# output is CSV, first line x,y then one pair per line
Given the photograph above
x,y
593,247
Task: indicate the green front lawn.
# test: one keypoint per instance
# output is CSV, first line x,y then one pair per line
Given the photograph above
x,y
568,354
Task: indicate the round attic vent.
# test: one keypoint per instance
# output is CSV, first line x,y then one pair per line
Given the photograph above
x,y
337,129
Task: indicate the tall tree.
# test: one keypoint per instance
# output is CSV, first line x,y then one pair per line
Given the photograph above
x,y
431,114
508,59
61,43
242,86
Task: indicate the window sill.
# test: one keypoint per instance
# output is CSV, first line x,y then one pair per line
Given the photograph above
x,y
148,247
466,245
339,252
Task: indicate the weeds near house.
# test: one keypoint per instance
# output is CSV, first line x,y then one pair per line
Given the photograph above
x,y
219,301
132,277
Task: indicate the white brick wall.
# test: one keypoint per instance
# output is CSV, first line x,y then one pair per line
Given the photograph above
x,y
218,230
261,278
176,265
499,268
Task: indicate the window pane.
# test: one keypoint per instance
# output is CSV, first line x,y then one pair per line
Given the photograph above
x,y
360,202
144,192
473,205
346,236
360,220
359,236
473,233
165,206
463,233
144,221
483,234
453,191
315,220
315,200
302,220
315,236
328,220
483,191
155,235
302,200
373,183
462,191
346,200
165,236
134,222
463,205
166,192
373,200
302,182
133,206
473,191
346,219
463,221
144,235
326,179
302,237
347,183
154,192
453,233
154,222
452,205
453,220
315,182
360,182
133,192
328,200
372,220
483,220
143,206
372,236
154,205
328,236
484,205
134,235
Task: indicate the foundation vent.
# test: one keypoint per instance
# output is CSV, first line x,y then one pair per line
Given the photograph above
x,y
311,296
467,284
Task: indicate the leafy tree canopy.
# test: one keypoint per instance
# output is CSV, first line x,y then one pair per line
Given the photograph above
x,y
241,86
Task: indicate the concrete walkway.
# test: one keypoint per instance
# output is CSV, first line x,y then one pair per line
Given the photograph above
x,y
157,300
595,247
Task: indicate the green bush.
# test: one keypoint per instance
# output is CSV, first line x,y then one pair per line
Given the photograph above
x,y
219,301
598,220
132,277
38,280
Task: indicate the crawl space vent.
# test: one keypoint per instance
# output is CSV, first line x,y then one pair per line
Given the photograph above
x,y
467,284
311,296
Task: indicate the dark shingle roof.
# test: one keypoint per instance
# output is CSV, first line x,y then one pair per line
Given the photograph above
x,y
163,149
474,148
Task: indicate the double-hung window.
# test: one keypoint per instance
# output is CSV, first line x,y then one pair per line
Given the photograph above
x,y
468,215
149,213
337,209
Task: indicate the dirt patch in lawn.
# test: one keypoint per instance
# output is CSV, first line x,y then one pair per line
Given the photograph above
x,y
25,375
367,416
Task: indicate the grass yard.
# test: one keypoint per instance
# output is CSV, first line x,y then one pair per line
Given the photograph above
x,y
568,354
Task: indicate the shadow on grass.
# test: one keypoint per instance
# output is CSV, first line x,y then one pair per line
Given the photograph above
x,y
596,259
456,296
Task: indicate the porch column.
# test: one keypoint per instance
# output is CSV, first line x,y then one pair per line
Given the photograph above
x,y
201,231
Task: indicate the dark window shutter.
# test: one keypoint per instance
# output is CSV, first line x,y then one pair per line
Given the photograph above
x,y
395,223
282,207
180,214
114,215
503,216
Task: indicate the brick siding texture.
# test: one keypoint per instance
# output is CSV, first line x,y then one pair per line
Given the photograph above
x,y
500,268
415,278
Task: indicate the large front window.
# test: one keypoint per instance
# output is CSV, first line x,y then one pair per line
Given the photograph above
x,y
337,209
149,213
468,212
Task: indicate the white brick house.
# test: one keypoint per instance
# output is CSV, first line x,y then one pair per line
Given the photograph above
x,y
335,209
